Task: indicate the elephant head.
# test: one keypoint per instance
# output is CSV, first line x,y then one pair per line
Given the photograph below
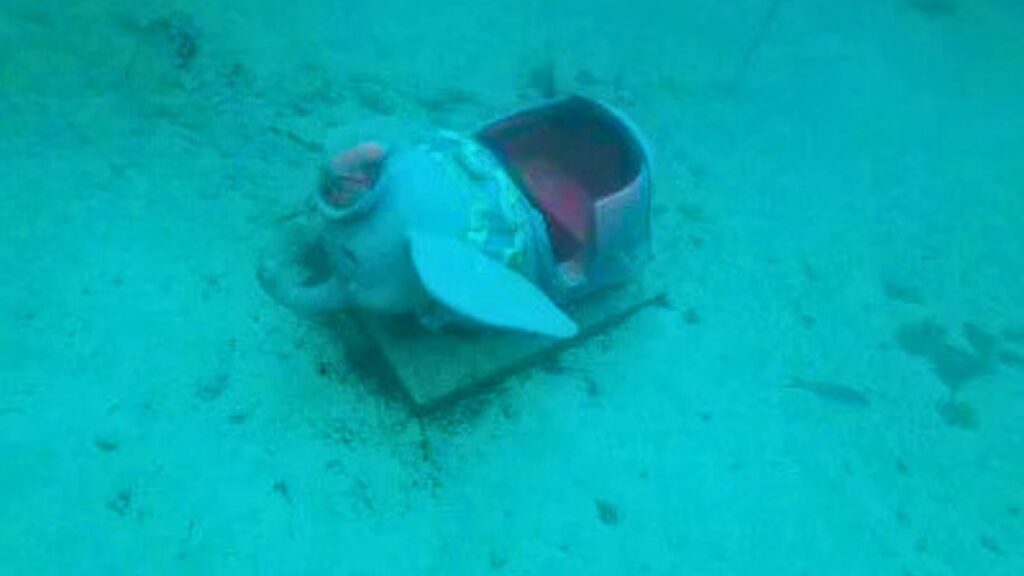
x,y
433,229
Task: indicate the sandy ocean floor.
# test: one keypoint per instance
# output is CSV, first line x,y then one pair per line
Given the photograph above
x,y
837,385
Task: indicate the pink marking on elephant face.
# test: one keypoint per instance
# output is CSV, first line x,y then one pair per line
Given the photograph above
x,y
352,172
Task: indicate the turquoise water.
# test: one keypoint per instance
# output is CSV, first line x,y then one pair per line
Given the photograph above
x,y
836,385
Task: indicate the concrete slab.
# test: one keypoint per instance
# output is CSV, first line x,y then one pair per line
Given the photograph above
x,y
435,369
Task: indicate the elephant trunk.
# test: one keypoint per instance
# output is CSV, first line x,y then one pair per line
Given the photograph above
x,y
328,296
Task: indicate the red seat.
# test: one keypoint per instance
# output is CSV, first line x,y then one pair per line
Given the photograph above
x,y
560,196
566,156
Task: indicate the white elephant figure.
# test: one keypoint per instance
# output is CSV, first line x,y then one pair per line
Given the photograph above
x,y
492,230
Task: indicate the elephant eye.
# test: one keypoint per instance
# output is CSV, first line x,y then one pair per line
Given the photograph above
x,y
314,261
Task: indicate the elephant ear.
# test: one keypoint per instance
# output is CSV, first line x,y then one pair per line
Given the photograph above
x,y
483,290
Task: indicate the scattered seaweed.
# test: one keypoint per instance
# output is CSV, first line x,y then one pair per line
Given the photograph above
x,y
953,365
958,414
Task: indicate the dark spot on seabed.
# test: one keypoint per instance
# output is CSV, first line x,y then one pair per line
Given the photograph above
x,y
184,38
105,445
121,504
323,369
806,320
498,560
958,414
902,468
953,365
691,317
554,365
957,365
991,544
280,488
607,512
179,34
899,292
212,388
663,301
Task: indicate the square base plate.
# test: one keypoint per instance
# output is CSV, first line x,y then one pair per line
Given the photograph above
x,y
436,368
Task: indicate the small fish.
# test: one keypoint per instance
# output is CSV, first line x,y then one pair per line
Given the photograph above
x,y
835,393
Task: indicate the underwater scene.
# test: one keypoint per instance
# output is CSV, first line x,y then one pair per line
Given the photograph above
x,y
512,287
